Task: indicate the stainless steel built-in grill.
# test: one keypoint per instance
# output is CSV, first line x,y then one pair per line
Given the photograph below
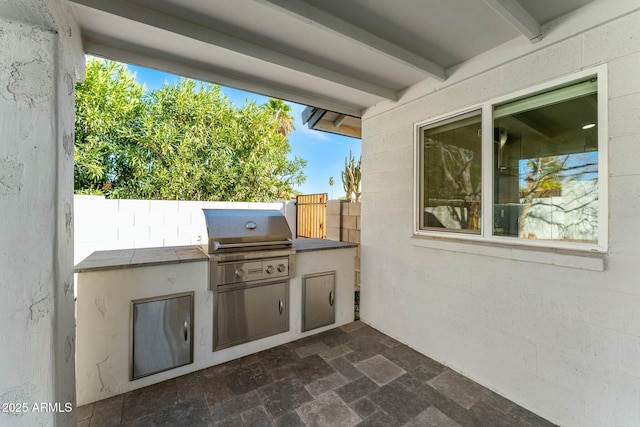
x,y
251,261
246,229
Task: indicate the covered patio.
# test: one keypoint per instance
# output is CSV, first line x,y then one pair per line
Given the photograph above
x,y
452,284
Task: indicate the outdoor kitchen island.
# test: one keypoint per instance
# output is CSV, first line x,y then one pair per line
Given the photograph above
x,y
113,284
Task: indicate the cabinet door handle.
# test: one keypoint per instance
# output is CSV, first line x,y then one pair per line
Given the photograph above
x,y
280,306
331,298
185,330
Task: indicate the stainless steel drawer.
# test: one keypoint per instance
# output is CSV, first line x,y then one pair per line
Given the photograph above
x,y
250,313
318,300
161,334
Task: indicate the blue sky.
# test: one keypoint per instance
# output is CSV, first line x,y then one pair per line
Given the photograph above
x,y
324,152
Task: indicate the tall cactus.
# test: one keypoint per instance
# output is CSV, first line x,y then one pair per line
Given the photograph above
x,y
351,177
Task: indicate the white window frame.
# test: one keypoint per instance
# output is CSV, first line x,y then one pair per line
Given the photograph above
x,y
486,231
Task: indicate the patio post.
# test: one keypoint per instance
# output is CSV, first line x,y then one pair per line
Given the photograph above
x,y
41,58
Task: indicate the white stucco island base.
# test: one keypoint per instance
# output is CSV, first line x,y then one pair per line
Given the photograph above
x,y
103,317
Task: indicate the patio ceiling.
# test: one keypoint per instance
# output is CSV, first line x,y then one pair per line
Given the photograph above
x,y
337,55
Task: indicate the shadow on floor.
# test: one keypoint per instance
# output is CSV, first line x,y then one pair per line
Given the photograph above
x,y
348,376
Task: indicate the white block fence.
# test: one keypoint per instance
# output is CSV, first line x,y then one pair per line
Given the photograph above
x,y
105,224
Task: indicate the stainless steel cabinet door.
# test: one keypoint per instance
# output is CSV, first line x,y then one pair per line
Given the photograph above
x,y
161,334
247,314
318,300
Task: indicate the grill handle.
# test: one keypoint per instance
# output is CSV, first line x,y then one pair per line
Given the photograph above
x,y
218,246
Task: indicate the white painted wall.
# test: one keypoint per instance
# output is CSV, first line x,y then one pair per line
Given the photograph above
x,y
41,56
105,224
103,318
551,332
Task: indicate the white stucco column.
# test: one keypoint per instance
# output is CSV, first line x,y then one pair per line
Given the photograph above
x,y
40,59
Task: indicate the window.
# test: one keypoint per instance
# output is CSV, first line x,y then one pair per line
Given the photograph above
x,y
451,167
540,180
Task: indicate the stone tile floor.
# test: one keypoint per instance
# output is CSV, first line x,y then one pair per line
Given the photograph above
x,y
348,376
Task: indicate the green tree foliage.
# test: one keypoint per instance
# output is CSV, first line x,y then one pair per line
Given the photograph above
x,y
281,111
184,141
331,184
109,109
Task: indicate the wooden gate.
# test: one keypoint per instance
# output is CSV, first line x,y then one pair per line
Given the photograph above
x,y
311,215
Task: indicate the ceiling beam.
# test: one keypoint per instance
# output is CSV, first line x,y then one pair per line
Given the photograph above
x,y
516,15
154,18
339,121
351,33
144,57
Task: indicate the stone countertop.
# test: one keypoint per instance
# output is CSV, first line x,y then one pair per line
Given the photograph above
x,y
128,258
308,245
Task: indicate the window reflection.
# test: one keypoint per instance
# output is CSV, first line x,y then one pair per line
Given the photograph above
x,y
451,188
546,165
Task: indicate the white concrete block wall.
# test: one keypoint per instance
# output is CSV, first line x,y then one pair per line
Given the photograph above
x,y
548,331
104,224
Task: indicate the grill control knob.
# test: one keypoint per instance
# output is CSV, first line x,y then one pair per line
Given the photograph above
x,y
282,268
240,273
270,269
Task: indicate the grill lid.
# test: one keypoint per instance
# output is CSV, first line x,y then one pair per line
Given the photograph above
x,y
229,229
